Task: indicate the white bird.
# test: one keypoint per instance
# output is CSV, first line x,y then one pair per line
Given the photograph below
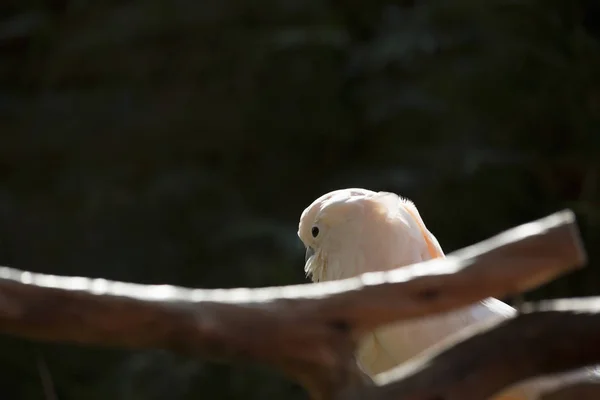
x,y
349,232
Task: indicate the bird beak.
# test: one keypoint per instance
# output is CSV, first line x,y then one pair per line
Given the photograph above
x,y
309,253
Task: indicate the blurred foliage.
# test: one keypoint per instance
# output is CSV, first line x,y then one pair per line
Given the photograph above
x,y
178,141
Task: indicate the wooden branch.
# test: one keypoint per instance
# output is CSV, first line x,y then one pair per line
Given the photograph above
x,y
580,391
480,362
565,383
307,331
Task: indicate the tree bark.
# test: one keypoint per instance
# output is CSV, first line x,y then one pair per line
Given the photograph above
x,y
309,331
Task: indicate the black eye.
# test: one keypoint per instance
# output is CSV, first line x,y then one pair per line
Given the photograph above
x,y
314,231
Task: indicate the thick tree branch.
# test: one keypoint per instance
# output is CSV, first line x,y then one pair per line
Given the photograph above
x,y
308,331
580,391
479,362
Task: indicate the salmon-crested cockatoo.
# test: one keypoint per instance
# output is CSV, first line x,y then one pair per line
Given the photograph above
x,y
349,232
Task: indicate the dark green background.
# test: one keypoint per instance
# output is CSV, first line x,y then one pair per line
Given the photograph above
x,y
178,142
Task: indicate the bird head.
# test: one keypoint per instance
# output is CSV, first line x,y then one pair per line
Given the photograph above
x,y
347,232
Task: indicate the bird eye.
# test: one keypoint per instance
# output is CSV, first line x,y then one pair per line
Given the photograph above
x,y
314,231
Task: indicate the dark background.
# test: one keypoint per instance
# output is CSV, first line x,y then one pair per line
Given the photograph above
x,y
178,142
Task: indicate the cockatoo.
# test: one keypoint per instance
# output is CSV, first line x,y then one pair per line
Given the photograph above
x,y
349,232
